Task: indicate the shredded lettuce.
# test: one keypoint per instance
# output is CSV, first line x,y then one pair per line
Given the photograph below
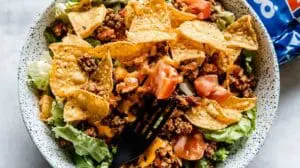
x,y
61,12
220,155
83,161
248,56
83,144
224,18
39,72
92,41
57,118
104,165
233,133
203,163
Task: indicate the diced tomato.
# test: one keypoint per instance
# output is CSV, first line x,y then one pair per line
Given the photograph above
x,y
190,147
220,95
163,80
200,7
205,85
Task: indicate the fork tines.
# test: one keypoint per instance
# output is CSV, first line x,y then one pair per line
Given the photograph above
x,y
137,137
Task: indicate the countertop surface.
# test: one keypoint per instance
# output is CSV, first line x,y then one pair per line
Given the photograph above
x,y
281,147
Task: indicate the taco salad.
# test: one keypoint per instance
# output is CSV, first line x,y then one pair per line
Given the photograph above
x,y
106,57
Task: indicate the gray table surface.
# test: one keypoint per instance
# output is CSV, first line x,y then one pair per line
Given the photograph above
x,y
281,148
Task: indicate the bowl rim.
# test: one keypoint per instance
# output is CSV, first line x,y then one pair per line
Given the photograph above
x,y
37,18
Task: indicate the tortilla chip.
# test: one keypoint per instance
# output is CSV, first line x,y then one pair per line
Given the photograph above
x,y
210,115
150,36
182,51
203,32
131,9
241,34
72,112
178,17
95,107
66,75
151,22
149,155
84,23
72,39
227,116
199,117
226,59
45,107
122,51
239,104
104,77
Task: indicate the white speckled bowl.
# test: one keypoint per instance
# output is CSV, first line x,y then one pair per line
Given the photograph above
x,y
267,91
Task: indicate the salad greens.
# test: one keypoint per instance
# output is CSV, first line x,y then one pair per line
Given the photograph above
x,y
248,56
224,18
83,161
84,145
234,132
57,111
203,163
39,72
220,155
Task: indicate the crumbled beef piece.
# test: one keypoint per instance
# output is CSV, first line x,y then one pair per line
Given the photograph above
x,y
165,158
240,83
64,144
162,49
210,69
183,104
114,100
60,29
91,132
180,5
129,84
210,150
113,28
117,121
190,70
193,101
88,64
176,126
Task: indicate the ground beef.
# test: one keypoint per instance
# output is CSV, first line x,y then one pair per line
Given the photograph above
x,y
59,28
189,70
117,121
179,4
113,28
88,64
240,83
162,48
176,126
165,158
64,144
129,84
91,132
193,101
210,150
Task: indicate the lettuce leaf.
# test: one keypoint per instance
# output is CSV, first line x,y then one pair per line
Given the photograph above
x,y
57,118
203,163
83,144
233,133
220,155
83,161
38,73
248,57
61,12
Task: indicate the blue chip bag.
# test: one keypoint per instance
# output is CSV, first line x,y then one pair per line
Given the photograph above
x,y
281,18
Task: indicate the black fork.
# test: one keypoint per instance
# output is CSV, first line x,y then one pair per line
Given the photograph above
x,y
137,137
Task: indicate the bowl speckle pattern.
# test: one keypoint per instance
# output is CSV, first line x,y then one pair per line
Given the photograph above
x,y
266,68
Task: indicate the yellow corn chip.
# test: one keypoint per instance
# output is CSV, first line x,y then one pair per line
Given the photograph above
x,y
66,75
241,34
182,51
131,9
103,76
199,117
150,36
226,59
239,104
72,39
203,33
45,107
210,115
178,17
72,112
95,107
84,23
